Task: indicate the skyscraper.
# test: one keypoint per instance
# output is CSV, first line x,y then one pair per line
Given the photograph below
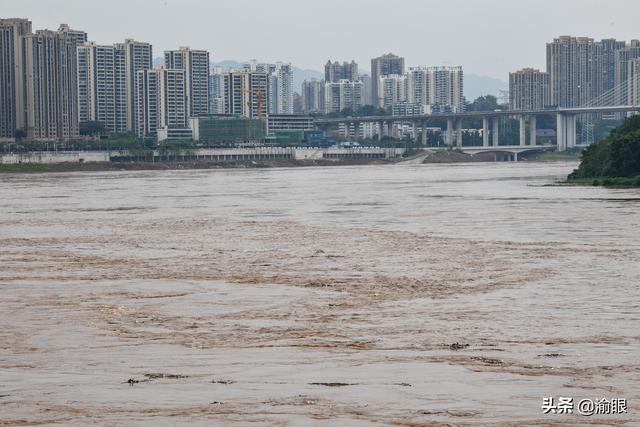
x,y
138,56
313,96
51,84
623,57
281,89
571,66
334,71
528,89
195,63
581,69
343,95
102,94
366,89
12,97
382,66
633,89
392,89
76,36
216,91
279,97
606,64
246,93
161,100
436,86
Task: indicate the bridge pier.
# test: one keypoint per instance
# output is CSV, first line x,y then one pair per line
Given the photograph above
x,y
571,142
380,126
496,131
485,131
566,131
566,119
424,135
561,133
533,130
523,130
448,140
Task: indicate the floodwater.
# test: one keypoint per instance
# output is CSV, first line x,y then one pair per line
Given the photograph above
x,y
408,295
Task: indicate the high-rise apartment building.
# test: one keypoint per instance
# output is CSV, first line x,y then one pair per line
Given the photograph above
x,y
606,64
216,91
392,89
161,100
334,71
581,69
313,96
633,88
279,98
382,66
623,58
281,89
419,86
297,103
51,84
138,56
570,65
436,86
528,89
343,95
246,93
12,76
102,94
195,63
366,89
76,36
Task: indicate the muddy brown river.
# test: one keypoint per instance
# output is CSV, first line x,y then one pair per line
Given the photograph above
x,y
406,295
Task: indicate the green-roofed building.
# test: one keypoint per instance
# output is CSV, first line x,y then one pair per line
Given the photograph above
x,y
228,130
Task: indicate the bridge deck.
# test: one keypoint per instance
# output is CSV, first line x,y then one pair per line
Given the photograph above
x,y
480,114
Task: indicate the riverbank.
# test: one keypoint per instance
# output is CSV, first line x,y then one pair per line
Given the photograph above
x,y
605,181
452,156
437,157
135,166
612,162
455,156
555,157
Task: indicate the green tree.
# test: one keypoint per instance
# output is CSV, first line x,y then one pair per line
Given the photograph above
x,y
616,156
484,103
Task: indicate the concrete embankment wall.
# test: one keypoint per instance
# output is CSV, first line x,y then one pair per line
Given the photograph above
x,y
206,154
55,157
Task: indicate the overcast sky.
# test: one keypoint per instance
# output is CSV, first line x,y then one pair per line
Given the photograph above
x,y
486,37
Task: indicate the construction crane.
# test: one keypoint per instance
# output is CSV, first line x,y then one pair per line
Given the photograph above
x,y
260,94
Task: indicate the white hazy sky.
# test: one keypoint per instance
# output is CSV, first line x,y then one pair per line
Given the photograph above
x,y
486,37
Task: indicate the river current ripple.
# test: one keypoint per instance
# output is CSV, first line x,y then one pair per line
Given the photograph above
x,y
369,295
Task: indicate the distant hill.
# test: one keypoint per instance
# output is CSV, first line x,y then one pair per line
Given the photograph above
x,y
474,85
299,75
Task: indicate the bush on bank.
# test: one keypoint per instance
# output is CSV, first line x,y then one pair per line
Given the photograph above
x,y
614,160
